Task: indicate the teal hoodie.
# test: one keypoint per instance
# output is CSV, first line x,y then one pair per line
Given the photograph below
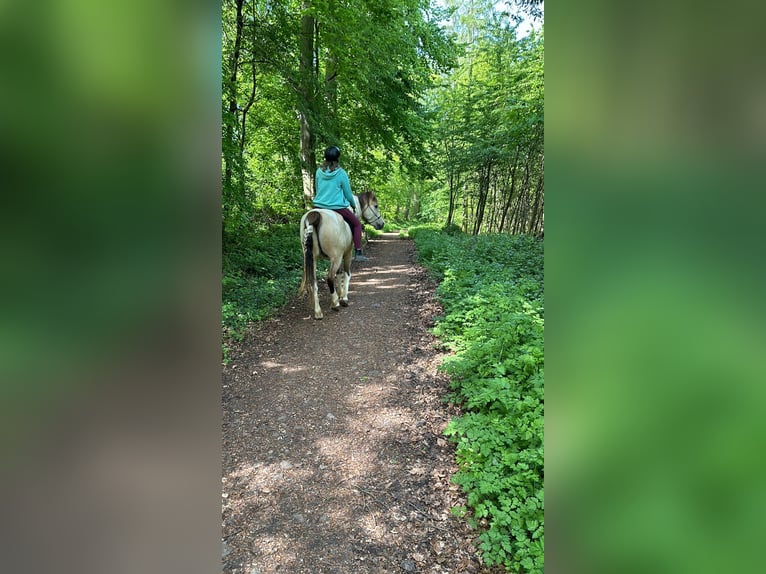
x,y
333,190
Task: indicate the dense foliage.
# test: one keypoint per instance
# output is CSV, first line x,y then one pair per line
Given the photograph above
x,y
259,275
438,109
303,74
492,292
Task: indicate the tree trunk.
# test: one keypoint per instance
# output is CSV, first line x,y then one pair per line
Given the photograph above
x,y
332,134
484,177
306,103
510,192
454,182
465,211
308,163
232,105
522,214
501,185
251,100
537,215
494,204
517,219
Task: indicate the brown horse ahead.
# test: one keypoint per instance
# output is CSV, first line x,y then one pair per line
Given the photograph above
x,y
325,234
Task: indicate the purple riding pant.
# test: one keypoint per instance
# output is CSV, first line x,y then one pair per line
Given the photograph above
x,y
356,226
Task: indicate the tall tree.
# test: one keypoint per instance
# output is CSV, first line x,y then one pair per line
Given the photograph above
x,y
231,159
306,100
326,72
491,113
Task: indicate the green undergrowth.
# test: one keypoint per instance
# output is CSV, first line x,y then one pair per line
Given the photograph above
x,y
391,226
491,288
371,231
261,271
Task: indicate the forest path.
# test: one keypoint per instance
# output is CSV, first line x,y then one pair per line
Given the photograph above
x,y
334,460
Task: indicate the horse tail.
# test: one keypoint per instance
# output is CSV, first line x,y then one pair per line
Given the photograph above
x,y
309,265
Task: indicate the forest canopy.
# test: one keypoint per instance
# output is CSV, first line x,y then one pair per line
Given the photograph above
x,y
438,108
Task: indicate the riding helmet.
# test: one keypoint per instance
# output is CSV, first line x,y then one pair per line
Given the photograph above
x,y
332,153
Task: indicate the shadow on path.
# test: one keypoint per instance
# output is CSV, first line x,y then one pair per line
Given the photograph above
x,y
334,460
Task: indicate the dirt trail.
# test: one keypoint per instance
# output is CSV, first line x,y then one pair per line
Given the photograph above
x,y
334,459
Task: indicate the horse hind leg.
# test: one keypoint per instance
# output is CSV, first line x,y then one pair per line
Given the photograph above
x,y
317,309
315,292
346,278
309,283
331,284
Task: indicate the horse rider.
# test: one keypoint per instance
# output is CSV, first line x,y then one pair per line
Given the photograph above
x,y
333,191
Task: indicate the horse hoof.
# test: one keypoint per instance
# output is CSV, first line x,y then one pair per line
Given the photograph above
x,y
344,303
336,309
318,317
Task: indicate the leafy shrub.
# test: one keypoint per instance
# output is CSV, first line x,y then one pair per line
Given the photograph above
x,y
261,270
452,229
492,292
